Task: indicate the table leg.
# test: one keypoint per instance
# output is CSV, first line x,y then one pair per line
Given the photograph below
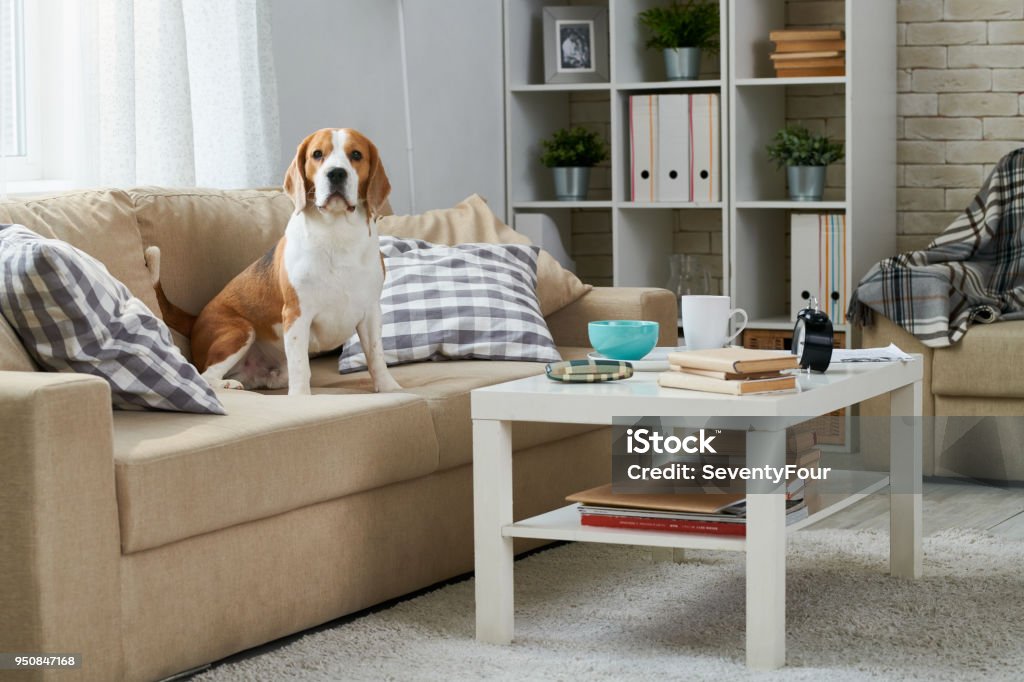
x,y
492,509
766,558
905,556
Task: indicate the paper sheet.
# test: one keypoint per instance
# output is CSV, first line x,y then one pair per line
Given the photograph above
x,y
892,353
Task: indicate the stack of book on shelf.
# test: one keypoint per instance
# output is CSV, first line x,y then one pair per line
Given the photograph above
x,y
804,53
704,514
733,371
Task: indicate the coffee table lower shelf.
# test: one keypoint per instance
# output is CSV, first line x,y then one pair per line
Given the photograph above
x,y
564,523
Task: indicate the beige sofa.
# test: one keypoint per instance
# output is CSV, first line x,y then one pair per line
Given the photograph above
x,y
151,543
973,400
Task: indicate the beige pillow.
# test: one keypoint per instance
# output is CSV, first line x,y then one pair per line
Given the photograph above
x,y
99,222
471,221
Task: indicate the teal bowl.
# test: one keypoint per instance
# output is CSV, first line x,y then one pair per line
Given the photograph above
x,y
623,339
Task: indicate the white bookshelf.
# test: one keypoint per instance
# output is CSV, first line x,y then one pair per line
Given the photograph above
x,y
641,232
754,209
759,211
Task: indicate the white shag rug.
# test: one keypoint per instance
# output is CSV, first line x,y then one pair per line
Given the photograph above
x,y
604,612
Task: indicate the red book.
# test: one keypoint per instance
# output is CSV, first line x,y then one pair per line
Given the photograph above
x,y
671,525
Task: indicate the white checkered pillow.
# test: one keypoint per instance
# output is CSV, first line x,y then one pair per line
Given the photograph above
x,y
73,316
470,301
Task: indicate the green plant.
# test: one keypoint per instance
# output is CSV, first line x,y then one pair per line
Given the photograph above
x,y
573,147
796,146
682,24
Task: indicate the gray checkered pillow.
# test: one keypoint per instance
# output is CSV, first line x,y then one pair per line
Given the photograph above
x,y
73,316
471,301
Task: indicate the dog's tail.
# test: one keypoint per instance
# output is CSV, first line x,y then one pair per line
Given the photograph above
x,y
176,318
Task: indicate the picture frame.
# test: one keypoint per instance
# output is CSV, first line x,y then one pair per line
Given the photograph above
x,y
576,44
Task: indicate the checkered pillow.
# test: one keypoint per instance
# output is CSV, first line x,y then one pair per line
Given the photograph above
x,y
73,316
471,301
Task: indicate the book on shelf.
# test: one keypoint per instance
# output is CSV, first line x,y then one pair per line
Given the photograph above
x,y
811,72
704,514
823,63
735,360
804,34
806,53
801,57
811,46
694,382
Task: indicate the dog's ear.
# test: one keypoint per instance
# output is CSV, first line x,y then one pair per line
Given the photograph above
x,y
295,178
378,187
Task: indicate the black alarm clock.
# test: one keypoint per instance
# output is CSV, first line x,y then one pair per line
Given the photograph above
x,y
813,338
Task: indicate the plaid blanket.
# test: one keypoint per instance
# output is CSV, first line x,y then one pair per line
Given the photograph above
x,y
971,273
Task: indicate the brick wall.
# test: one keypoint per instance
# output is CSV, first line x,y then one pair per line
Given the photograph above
x,y
960,81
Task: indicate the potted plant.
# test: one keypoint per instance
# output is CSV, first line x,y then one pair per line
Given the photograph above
x,y
805,157
571,153
681,31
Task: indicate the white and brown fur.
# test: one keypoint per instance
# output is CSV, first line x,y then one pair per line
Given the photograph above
x,y
320,284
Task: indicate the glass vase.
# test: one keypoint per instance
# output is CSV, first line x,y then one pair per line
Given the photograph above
x,y
688,277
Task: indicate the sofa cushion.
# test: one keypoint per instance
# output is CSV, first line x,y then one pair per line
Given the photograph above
x,y
457,302
99,222
73,316
981,365
446,386
473,221
206,237
13,356
181,475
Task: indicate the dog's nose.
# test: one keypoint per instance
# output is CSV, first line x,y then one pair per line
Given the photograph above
x,y
337,175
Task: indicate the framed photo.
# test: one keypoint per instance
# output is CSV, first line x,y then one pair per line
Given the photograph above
x,y
575,45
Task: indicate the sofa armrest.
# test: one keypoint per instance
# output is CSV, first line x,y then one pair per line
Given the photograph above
x,y
874,432
60,587
569,325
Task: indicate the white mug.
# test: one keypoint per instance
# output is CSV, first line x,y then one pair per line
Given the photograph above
x,y
706,321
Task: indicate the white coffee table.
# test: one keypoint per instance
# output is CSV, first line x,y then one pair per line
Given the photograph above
x,y
539,399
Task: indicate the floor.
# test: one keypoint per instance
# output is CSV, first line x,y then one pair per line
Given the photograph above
x,y
948,503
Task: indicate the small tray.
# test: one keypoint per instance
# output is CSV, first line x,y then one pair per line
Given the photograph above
x,y
588,371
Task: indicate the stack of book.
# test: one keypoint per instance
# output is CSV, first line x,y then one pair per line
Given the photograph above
x,y
704,514
733,371
804,53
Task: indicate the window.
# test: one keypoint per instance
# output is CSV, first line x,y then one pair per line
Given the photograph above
x,y
19,137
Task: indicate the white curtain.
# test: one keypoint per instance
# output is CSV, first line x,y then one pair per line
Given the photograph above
x,y
175,93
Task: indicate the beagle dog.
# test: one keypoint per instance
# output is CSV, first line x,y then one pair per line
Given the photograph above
x,y
316,287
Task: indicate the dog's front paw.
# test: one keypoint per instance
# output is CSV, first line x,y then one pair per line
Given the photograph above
x,y
230,384
299,390
386,385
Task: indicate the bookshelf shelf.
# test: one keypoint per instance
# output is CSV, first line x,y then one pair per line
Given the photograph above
x,y
670,85
784,323
819,80
560,87
540,205
681,205
795,205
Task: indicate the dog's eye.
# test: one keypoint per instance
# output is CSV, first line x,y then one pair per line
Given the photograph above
x,y
318,154
356,155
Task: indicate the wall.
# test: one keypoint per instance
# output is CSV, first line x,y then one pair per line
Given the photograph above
x,y
338,63
960,80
